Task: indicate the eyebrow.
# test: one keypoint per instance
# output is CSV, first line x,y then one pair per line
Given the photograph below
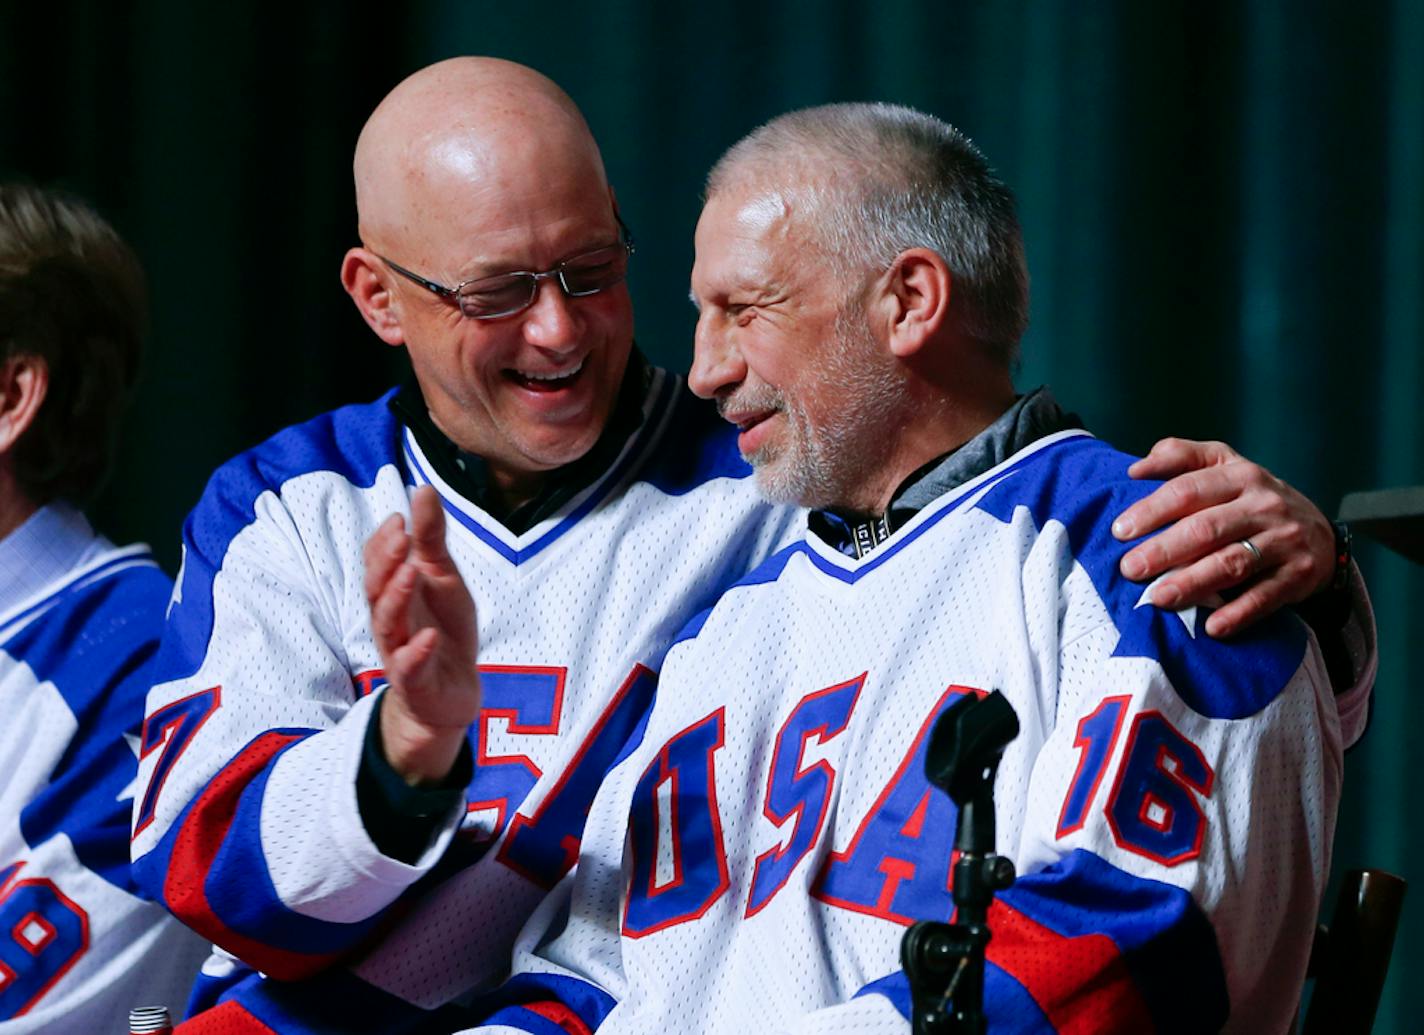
x,y
493,270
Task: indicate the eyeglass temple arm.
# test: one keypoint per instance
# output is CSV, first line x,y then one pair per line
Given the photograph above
x,y
429,285
627,234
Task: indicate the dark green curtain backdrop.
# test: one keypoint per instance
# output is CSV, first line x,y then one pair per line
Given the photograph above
x,y
1222,207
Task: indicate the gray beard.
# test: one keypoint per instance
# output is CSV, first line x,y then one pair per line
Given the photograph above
x,y
824,466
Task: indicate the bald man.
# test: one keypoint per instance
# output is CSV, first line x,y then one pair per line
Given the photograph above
x,y
327,775
301,806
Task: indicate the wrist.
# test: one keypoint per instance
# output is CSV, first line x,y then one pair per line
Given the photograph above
x,y
420,753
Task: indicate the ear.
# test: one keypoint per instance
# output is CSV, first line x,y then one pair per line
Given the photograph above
x,y
915,297
365,279
24,383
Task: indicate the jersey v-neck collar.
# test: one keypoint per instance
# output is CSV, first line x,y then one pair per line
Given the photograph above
x,y
1031,417
469,475
519,547
827,559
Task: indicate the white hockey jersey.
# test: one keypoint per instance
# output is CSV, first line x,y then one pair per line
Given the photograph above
x,y
755,862
78,945
248,826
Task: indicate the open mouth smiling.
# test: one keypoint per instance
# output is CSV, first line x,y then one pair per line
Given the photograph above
x,y
546,381
751,427
748,420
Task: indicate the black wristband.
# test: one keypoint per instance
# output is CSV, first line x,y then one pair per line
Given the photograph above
x,y
401,819
1340,578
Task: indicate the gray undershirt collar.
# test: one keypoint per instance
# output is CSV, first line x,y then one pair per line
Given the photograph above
x,y
1030,418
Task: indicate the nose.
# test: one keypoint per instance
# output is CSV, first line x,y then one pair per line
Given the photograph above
x,y
717,363
552,321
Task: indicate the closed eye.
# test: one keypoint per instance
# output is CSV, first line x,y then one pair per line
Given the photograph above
x,y
741,313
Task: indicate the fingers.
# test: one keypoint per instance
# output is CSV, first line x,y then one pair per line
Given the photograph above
x,y
1256,603
383,554
427,527
1289,531
389,546
1174,456
1218,499
1220,570
1186,494
410,661
421,731
1284,575
1294,543
1200,535
390,611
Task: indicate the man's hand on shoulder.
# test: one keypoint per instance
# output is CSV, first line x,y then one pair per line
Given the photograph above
x,y
423,621
1220,502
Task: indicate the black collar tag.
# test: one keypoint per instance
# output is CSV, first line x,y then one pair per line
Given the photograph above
x,y
868,534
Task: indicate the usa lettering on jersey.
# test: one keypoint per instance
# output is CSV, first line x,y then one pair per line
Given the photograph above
x,y
781,833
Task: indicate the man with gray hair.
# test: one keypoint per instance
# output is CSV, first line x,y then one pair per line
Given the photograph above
x,y
79,623
753,864
335,793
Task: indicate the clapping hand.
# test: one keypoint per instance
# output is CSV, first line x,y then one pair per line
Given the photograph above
x,y
423,621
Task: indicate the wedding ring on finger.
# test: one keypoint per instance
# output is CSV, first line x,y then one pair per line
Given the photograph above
x,y
1250,548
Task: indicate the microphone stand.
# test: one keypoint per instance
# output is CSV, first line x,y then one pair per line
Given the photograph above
x,y
945,962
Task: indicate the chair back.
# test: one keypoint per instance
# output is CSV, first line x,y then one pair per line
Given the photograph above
x,y
1350,958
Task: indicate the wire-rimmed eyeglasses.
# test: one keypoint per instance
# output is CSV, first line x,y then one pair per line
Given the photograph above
x,y
504,294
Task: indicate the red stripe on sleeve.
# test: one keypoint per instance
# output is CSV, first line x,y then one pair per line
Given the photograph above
x,y
224,1019
196,846
561,1015
1081,983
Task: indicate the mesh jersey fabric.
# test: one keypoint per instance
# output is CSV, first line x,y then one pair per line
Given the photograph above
x,y
248,827
754,863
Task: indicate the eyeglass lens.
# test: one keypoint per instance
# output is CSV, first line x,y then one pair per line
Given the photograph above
x,y
581,275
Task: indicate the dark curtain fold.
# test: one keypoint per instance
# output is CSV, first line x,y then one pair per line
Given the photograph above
x,y
1222,205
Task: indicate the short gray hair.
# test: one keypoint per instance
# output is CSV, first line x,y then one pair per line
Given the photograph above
x,y
891,178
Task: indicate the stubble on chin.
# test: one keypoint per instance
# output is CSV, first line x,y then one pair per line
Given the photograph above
x,y
824,466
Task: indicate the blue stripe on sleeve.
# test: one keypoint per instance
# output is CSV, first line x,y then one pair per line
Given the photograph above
x,y
591,1003
523,1019
333,1003
95,645
240,891
354,442
1166,941
1007,1005
1083,484
1161,936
